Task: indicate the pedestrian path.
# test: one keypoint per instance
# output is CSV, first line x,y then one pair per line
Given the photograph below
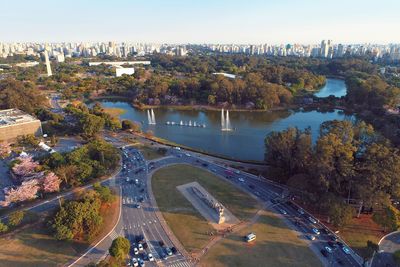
x,y
178,263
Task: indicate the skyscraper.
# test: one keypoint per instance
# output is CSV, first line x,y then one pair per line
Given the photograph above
x,y
48,67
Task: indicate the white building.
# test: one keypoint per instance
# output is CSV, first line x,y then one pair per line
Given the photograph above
x,y
119,71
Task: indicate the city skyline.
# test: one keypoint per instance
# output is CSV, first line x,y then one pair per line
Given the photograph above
x,y
224,22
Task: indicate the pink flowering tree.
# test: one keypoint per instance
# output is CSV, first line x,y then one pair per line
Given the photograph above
x,y
5,149
50,183
25,167
26,191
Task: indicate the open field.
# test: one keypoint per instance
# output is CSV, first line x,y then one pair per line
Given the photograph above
x,y
183,219
276,245
33,245
149,152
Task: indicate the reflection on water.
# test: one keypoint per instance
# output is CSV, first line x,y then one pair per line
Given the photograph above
x,y
250,128
335,87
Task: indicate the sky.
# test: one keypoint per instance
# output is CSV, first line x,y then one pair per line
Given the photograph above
x,y
201,21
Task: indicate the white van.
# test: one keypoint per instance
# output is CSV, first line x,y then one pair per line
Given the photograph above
x,y
250,237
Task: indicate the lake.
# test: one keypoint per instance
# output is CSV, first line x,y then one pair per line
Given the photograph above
x,y
335,87
245,141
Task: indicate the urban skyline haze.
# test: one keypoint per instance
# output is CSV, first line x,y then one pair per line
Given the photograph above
x,y
206,21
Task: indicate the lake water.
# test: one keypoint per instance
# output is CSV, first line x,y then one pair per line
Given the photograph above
x,y
246,141
334,87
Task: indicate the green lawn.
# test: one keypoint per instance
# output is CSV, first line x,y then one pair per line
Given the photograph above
x,y
183,219
33,246
276,245
149,152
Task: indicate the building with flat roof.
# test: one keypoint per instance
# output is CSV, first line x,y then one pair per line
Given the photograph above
x,y
119,71
14,123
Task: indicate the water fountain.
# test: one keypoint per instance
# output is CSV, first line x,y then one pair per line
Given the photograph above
x,y
151,117
225,121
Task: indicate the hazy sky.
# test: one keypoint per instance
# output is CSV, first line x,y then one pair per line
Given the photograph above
x,y
201,21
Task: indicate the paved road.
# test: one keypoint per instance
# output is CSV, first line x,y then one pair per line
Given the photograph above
x,y
387,246
138,222
272,194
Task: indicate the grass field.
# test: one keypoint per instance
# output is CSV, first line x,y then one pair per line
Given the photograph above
x,y
359,231
276,245
34,245
184,220
150,153
115,112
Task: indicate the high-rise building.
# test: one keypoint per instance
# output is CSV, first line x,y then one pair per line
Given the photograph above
x,y
48,67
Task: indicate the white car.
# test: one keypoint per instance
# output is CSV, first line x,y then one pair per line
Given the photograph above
x,y
237,171
283,211
135,251
151,258
316,231
140,246
241,179
346,250
328,249
311,219
135,262
311,237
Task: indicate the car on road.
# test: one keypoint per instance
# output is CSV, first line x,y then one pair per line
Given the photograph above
x,y
283,211
328,249
213,170
311,219
161,243
163,255
241,179
301,211
150,256
237,171
251,186
332,238
135,262
204,164
141,262
140,246
316,231
137,206
324,231
135,251
274,201
311,237
168,251
173,249
187,155
332,244
324,253
346,250
139,238
340,244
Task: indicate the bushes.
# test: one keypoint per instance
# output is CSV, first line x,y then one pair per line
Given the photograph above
x,y
120,248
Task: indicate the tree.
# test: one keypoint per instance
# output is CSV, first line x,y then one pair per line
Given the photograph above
x,y
130,125
91,125
388,218
15,218
26,191
371,248
24,166
340,214
120,248
3,227
50,183
105,193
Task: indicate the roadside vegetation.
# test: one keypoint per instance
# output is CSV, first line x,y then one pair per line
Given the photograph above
x,y
37,235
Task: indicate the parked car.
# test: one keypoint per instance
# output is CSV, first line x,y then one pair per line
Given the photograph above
x,y
301,211
241,179
150,256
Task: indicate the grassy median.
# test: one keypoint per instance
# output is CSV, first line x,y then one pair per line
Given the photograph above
x,y
184,220
276,244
